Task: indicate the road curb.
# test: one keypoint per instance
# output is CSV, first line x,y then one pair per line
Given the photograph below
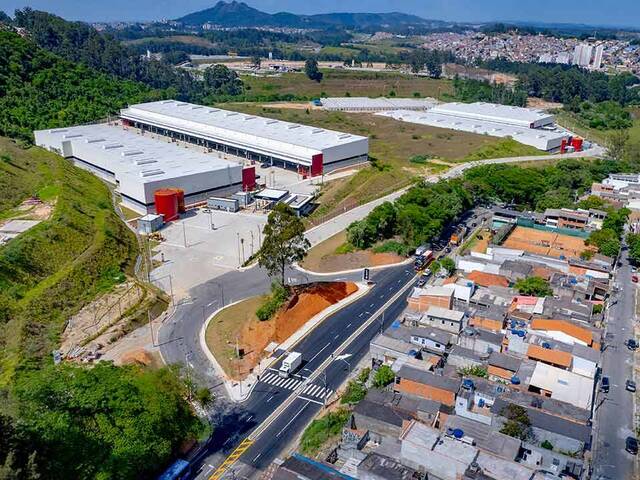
x,y
353,270
315,322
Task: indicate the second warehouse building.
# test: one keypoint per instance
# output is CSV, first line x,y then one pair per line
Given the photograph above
x,y
285,144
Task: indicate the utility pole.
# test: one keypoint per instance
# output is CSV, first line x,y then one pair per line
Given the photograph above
x,y
184,234
238,236
251,242
242,244
153,342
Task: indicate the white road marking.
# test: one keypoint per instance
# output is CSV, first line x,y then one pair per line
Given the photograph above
x,y
348,325
292,419
336,337
319,352
270,398
256,457
310,400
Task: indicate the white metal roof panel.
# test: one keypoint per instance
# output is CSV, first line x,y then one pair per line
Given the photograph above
x,y
494,112
261,134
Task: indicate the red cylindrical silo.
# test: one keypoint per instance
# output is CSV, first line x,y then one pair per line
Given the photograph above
x,y
577,143
180,193
166,204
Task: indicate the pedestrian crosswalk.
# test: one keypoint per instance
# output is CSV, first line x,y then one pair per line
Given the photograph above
x,y
291,383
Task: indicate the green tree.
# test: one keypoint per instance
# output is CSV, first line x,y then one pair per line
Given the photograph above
x,y
517,423
103,422
605,240
534,286
617,143
284,241
220,80
449,265
311,69
383,376
633,240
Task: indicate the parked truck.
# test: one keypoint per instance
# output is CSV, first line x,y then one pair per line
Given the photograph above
x,y
290,364
458,235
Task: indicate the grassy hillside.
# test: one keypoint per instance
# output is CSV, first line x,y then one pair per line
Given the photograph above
x,y
392,144
52,270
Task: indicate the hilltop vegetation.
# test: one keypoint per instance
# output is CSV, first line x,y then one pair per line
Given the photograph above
x,y
63,421
40,90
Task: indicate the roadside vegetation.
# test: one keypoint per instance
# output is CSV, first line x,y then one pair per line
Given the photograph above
x,y
420,215
322,430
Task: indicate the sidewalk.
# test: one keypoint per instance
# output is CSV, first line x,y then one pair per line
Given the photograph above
x,y
239,391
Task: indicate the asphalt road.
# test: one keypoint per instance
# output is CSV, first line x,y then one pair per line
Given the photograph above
x,y
179,338
615,410
316,347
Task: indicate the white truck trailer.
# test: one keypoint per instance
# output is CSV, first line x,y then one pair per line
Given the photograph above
x,y
290,364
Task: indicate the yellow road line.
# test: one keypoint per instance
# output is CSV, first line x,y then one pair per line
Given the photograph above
x,y
231,459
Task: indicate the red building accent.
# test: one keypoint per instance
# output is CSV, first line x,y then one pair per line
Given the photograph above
x,y
316,165
248,179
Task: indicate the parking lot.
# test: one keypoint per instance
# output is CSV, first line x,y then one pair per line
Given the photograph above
x,y
203,245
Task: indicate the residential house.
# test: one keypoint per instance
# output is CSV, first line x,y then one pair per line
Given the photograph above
x,y
431,296
431,339
380,467
503,367
567,331
444,319
475,397
484,279
426,385
515,269
562,385
461,357
480,340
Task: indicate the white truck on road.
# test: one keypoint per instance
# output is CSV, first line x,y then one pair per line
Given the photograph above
x,y
290,364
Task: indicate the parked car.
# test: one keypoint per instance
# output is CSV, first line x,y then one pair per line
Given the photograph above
x,y
604,384
634,278
631,445
632,344
630,385
422,281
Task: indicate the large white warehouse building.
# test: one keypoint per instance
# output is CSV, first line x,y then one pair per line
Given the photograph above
x,y
492,120
250,136
495,113
140,165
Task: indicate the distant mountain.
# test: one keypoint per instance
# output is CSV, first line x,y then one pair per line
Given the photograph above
x,y
239,14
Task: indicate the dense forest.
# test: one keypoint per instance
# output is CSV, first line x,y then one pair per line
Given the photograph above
x,y
563,83
80,43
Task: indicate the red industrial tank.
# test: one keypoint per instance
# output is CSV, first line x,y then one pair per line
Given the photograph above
x,y
180,194
166,204
577,143
563,145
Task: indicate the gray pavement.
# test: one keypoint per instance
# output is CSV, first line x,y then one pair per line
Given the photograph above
x,y
614,411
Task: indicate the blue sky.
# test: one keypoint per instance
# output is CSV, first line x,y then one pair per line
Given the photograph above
x,y
601,12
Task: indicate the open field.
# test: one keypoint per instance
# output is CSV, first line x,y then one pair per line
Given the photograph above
x,y
50,272
186,39
338,83
239,323
391,145
323,258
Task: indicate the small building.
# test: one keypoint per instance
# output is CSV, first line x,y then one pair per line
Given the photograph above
x,y
431,296
461,357
562,385
379,467
480,340
149,223
431,339
484,279
426,385
226,204
503,367
444,319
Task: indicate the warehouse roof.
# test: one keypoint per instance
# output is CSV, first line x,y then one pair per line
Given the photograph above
x,y
529,136
380,103
124,152
494,112
252,129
